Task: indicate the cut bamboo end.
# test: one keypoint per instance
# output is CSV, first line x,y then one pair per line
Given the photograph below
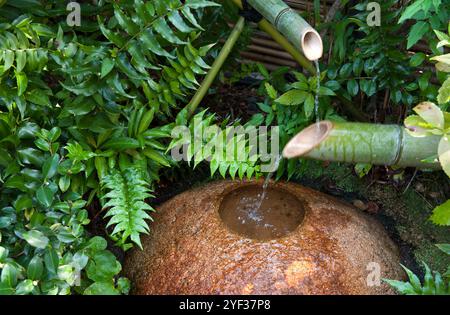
x,y
312,45
308,139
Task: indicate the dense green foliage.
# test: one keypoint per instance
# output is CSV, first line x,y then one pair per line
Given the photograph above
x,y
431,120
372,61
83,115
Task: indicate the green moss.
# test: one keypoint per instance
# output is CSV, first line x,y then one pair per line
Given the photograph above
x,y
434,257
342,176
411,212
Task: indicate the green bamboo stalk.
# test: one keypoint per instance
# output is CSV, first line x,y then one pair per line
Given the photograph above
x,y
363,143
265,26
287,46
291,25
215,68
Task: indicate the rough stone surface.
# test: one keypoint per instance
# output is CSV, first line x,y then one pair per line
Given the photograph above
x,y
191,251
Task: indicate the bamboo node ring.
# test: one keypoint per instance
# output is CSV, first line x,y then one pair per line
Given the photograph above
x,y
282,12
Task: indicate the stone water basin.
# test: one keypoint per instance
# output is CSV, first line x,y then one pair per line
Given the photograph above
x,y
213,240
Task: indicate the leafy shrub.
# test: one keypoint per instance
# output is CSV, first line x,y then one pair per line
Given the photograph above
x,y
372,61
431,120
86,113
437,285
44,248
429,15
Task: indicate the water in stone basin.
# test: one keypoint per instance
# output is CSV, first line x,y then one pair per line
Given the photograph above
x,y
279,214
253,206
258,203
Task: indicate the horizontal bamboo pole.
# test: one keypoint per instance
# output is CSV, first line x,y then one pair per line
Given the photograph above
x,y
272,52
269,59
363,143
304,5
267,43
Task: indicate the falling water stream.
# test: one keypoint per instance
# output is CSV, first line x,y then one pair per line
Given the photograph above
x,y
266,184
316,101
262,196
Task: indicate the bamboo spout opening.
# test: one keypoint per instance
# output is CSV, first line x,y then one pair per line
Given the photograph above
x,y
312,45
308,139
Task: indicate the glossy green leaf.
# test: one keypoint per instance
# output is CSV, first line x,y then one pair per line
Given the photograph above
x,y
22,82
444,247
35,268
21,60
51,260
417,59
292,97
103,266
441,214
36,238
9,275
50,166
25,287
101,288
309,105
4,252
417,32
353,87
121,143
177,21
149,41
166,32
107,66
45,196
127,24
38,97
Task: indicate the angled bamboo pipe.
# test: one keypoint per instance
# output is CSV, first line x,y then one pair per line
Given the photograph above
x,y
265,26
292,25
363,143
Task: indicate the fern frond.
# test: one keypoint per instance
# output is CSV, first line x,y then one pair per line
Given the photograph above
x,y
229,154
126,205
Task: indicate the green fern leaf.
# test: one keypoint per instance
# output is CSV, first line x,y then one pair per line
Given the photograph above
x,y
126,205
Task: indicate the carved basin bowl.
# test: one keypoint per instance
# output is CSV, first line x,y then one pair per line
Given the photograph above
x,y
221,239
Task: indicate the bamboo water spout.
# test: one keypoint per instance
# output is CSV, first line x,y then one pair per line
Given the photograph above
x,y
291,25
363,143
